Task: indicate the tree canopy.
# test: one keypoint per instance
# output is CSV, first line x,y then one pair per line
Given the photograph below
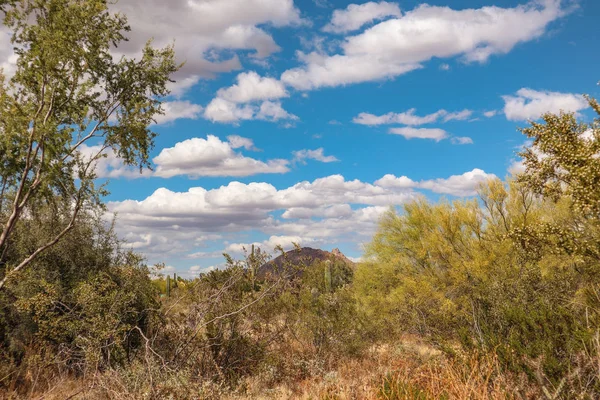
x,y
71,90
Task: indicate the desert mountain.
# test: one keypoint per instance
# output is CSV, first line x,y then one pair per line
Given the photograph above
x,y
303,256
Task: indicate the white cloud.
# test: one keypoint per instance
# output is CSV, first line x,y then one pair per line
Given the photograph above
x,y
238,102
590,134
445,67
391,181
317,155
251,87
357,15
461,140
532,104
431,31
174,110
458,116
516,167
458,185
409,117
490,114
420,133
248,205
269,245
405,118
111,166
329,71
326,209
220,110
397,46
238,141
198,27
333,211
8,58
211,157
272,111
359,225
196,270
182,84
356,259
239,204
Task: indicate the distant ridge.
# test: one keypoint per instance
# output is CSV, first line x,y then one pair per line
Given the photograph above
x,y
303,256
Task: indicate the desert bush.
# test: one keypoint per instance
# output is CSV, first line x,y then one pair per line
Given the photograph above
x,y
79,309
491,277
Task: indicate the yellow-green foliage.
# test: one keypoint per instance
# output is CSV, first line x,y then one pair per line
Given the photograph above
x,y
82,307
487,273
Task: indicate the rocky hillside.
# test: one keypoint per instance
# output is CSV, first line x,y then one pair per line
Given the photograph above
x,y
303,256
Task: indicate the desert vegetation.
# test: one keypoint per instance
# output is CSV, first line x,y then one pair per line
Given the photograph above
x,y
494,297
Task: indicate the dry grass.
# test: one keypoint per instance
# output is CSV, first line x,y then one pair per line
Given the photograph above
x,y
409,370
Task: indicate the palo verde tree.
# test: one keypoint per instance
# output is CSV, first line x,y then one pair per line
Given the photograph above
x,y
563,164
70,92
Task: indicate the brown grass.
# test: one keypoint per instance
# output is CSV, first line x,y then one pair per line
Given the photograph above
x,y
409,370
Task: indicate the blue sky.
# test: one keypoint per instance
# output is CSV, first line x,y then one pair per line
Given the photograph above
x,y
303,121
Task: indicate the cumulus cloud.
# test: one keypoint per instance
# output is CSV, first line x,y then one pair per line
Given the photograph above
x,y
397,46
458,185
333,211
236,141
8,58
269,245
251,87
221,110
420,133
198,157
273,111
355,16
194,158
391,181
329,71
532,104
109,165
225,25
239,102
170,222
240,204
410,118
516,167
248,205
359,225
317,155
174,110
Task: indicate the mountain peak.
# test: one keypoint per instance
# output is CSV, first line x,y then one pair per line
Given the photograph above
x,y
303,256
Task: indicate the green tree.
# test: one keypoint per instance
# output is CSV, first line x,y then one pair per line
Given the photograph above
x,y
70,89
495,275
85,305
563,165
563,159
